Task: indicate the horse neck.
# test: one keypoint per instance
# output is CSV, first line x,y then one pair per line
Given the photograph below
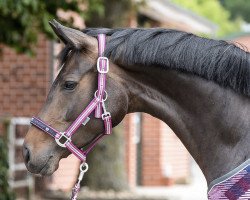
x,y
211,121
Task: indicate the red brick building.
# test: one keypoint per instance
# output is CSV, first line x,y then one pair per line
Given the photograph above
x,y
24,81
154,155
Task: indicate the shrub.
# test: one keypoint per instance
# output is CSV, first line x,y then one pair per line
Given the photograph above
x,y
5,191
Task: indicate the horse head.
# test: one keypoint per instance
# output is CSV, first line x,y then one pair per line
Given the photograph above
x,y
69,94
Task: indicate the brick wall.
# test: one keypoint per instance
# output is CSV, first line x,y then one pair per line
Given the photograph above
x,y
24,81
164,158
130,149
151,151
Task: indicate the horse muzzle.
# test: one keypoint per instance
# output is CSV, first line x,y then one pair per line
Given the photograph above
x,y
42,163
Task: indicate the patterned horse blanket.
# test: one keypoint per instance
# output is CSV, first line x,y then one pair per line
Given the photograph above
x,y
232,186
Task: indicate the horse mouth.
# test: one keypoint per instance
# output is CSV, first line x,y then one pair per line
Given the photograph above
x,y
47,169
51,166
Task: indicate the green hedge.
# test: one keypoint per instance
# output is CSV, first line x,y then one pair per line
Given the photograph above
x,y
5,191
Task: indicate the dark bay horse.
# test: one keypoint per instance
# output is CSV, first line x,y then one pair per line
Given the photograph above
x,y
200,87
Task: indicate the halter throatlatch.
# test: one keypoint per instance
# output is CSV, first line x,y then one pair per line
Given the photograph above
x,y
63,139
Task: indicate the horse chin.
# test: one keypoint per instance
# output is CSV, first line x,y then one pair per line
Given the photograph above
x,y
52,164
49,168
46,169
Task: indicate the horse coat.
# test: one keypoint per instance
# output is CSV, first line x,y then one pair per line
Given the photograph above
x,y
234,185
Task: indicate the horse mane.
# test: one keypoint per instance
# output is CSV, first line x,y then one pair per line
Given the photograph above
x,y
215,60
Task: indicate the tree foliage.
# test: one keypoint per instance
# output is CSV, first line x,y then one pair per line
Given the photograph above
x,y
238,8
5,192
109,17
213,11
22,20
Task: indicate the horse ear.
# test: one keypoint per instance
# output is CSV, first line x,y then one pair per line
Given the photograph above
x,y
72,36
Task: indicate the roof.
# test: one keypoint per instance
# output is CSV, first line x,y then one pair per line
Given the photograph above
x,y
166,12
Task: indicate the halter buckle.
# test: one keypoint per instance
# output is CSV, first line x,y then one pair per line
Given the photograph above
x,y
102,70
62,140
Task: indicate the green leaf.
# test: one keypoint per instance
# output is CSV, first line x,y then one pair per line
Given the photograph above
x,y
5,191
219,14
22,20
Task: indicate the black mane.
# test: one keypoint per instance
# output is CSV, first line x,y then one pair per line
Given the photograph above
x,y
215,60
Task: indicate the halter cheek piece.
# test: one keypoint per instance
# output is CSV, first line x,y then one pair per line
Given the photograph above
x,y
63,139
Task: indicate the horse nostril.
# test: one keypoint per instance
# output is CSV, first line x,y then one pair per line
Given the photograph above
x,y
26,154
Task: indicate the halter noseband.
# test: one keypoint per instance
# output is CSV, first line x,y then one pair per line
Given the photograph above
x,y
63,139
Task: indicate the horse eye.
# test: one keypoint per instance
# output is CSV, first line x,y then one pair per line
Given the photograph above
x,y
70,85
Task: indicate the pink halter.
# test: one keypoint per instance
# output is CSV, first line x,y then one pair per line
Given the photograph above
x,y
63,139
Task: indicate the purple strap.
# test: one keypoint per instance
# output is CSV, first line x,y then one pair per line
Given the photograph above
x,y
102,67
82,117
44,127
75,191
63,139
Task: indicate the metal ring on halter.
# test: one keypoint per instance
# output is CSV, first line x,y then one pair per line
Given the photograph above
x,y
65,139
84,167
106,95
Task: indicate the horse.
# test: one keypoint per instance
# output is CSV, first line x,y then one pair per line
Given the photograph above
x,y
200,87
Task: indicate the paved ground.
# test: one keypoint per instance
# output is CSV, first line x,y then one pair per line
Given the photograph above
x,y
179,192
195,191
